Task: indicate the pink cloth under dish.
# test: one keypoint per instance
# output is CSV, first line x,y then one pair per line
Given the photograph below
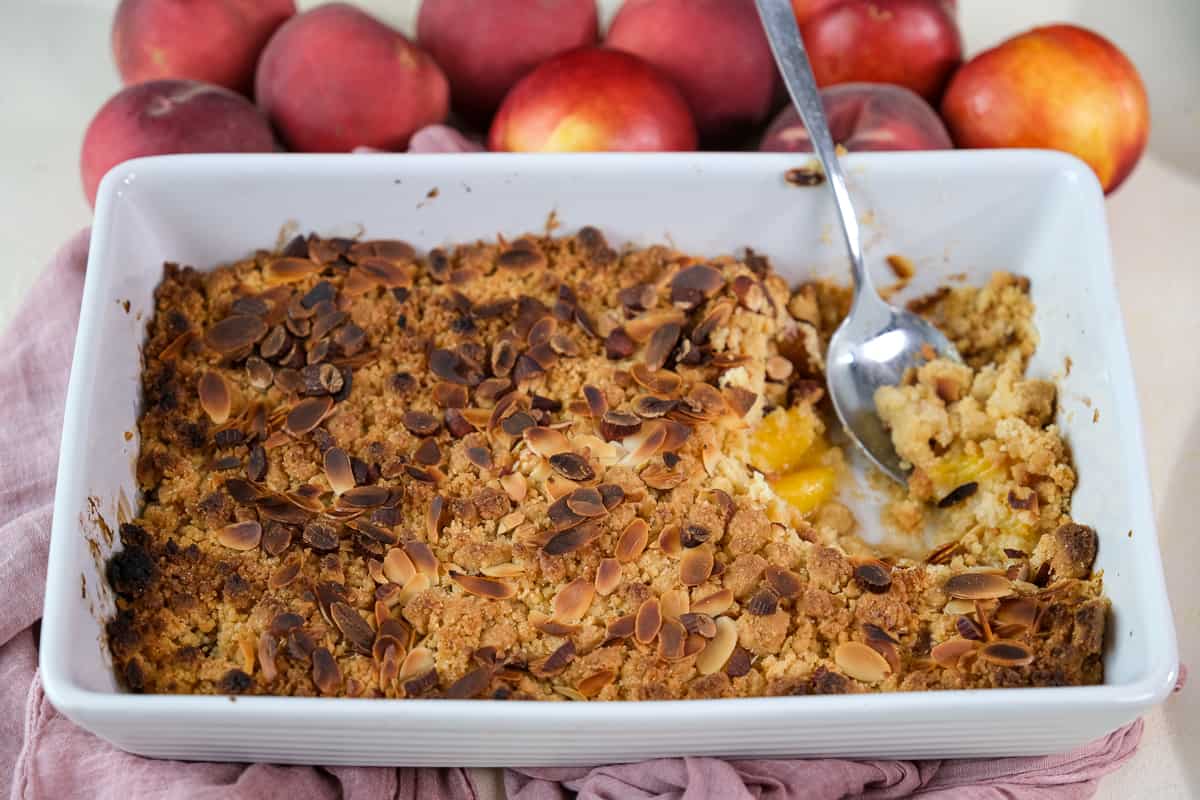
x,y
49,757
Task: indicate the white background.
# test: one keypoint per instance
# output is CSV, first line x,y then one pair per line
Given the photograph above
x,y
56,70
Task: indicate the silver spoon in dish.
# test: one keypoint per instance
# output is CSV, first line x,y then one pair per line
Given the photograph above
x,y
877,342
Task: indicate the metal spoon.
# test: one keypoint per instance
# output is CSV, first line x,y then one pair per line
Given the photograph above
x,y
876,342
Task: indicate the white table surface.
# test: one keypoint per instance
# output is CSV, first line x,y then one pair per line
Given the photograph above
x,y
56,70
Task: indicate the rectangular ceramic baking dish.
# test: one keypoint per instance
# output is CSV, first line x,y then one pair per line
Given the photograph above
x,y
1037,213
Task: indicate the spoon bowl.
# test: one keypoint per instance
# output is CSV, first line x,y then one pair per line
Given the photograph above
x,y
877,342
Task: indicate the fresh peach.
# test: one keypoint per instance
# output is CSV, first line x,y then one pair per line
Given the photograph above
x,y
1060,87
170,116
911,43
807,9
336,78
863,117
715,51
486,46
217,41
593,99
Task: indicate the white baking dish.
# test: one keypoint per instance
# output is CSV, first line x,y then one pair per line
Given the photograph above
x,y
1034,212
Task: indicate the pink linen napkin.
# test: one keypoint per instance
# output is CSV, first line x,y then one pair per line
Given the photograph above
x,y
49,757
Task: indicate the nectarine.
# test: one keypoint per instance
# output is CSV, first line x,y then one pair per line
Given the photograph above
x,y
807,9
217,41
170,116
485,46
911,43
715,51
864,117
336,78
593,99
1060,87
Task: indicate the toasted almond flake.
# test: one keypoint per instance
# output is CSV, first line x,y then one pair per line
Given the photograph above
x,y
510,521
288,270
643,446
325,672
648,620
596,400
307,415
713,604
586,502
1006,653
595,683
573,539
572,466
672,640
661,382
573,600
957,606
632,541
389,664
419,583
943,553
710,456
670,540
473,684
608,576
873,575
268,648
375,570
284,574
643,327
550,626
947,654
338,470
356,630
978,586
556,486
861,662
717,316
713,657
675,603
1017,611
787,584
216,396
701,624
419,661
398,567
515,486
480,586
364,497
422,558
778,368
556,662
240,535
545,442
620,628
740,401
234,333
695,565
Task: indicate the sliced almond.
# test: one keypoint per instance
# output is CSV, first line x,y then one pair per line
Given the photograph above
x,y
701,624
586,502
695,565
713,604
515,486
325,672
861,662
713,657
240,535
573,600
643,446
740,401
556,662
1017,611
284,574
545,442
648,620
595,683
978,586
268,648
632,541
398,567
661,382
480,586
956,606
947,654
551,626
506,570
787,584
1006,653
289,270
573,539
672,640
307,415
418,662
620,628
419,583
338,471
422,558
670,540
216,396
608,576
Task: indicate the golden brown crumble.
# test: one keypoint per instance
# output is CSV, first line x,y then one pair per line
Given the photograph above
x,y
519,470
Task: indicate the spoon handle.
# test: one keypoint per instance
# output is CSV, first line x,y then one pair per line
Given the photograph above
x,y
784,35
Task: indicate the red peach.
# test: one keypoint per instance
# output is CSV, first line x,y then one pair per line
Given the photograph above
x,y
807,9
170,116
715,51
1060,87
486,46
593,99
865,117
336,78
911,43
216,41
